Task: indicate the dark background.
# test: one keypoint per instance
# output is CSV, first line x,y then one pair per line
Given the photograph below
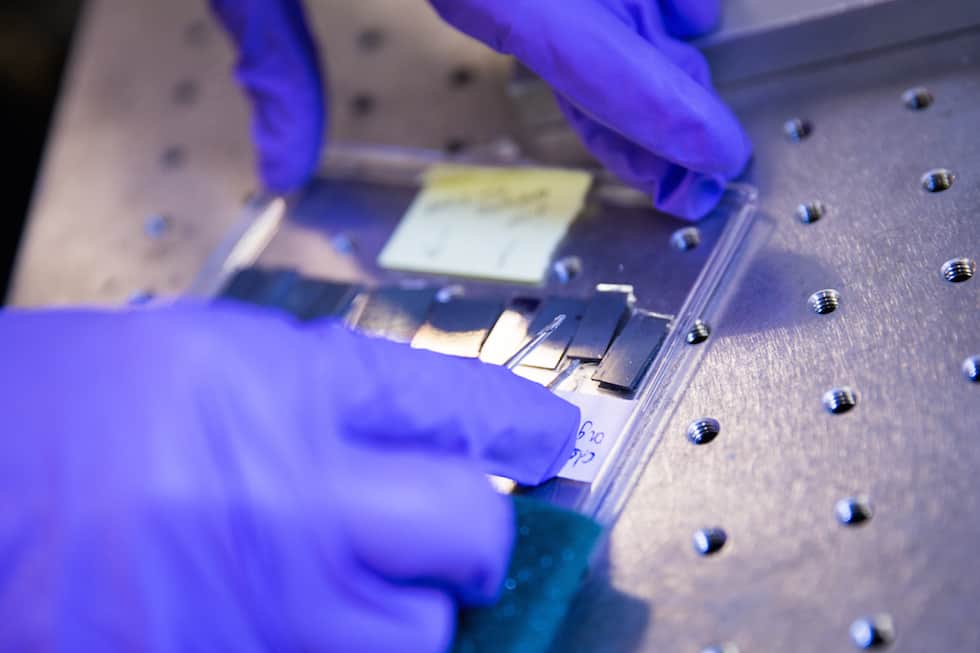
x,y
35,36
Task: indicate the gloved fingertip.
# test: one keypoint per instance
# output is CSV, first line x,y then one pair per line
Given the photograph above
x,y
567,417
283,174
731,150
687,19
543,440
695,200
744,153
288,131
279,68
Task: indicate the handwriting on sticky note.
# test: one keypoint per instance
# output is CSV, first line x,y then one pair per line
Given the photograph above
x,y
603,419
489,223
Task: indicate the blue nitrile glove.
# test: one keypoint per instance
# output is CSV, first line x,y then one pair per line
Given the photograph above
x,y
222,479
639,97
279,69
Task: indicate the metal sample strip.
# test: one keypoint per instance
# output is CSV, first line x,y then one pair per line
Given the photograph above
x,y
458,327
551,351
276,288
244,284
510,331
632,352
395,313
311,299
261,286
604,316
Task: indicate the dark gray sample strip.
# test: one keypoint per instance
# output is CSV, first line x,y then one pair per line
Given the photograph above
x,y
458,327
277,285
632,352
604,316
510,331
549,353
395,313
261,286
245,284
311,299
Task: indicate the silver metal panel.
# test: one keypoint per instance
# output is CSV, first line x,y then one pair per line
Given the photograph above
x,y
365,216
790,577
762,36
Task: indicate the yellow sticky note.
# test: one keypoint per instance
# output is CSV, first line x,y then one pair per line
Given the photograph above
x,y
489,223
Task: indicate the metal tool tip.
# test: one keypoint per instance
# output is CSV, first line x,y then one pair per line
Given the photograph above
x,y
555,323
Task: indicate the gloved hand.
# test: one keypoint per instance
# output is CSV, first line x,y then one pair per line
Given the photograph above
x,y
639,98
222,479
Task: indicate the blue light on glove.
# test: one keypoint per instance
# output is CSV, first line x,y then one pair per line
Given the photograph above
x,y
194,478
639,97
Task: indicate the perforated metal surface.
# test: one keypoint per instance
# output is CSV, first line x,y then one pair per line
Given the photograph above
x,y
790,576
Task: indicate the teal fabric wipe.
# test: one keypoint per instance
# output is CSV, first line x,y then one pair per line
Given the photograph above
x,y
550,558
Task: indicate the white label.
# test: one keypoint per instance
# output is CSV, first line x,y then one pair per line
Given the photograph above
x,y
603,419
488,223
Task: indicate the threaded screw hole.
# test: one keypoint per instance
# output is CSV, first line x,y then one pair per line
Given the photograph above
x,y
699,333
567,268
157,225
853,511
917,99
797,129
824,301
873,633
363,104
343,243
958,270
938,180
840,400
141,298
703,430
686,239
455,146
461,76
708,541
173,157
371,39
971,368
447,294
186,92
810,212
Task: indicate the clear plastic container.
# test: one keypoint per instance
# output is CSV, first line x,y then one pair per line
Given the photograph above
x,y
335,229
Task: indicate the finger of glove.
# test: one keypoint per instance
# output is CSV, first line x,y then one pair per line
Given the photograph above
x,y
647,20
283,575
395,396
613,75
278,67
674,190
687,19
427,518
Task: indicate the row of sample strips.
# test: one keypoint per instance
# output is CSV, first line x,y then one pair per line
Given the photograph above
x,y
605,329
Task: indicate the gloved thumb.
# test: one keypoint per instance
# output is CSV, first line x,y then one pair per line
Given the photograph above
x,y
411,399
